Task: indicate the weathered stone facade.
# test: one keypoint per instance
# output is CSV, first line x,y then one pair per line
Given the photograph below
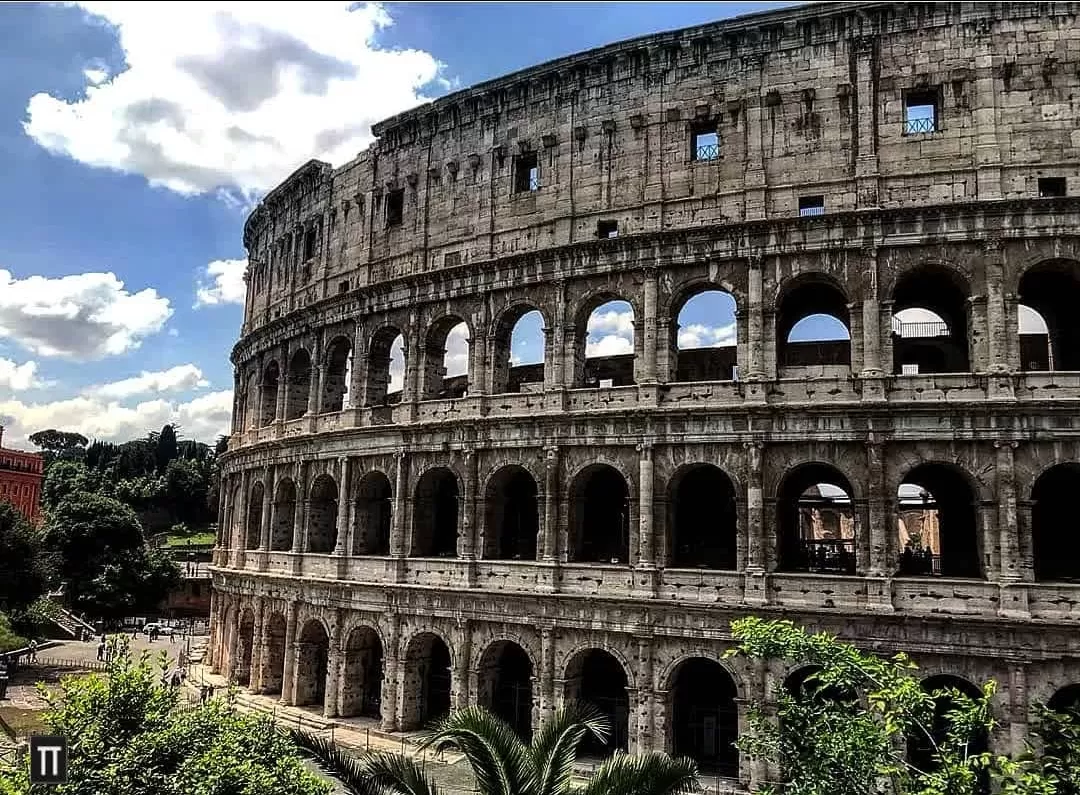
x,y
519,538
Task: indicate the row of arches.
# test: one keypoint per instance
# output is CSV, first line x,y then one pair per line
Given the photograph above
x,y
930,331
818,522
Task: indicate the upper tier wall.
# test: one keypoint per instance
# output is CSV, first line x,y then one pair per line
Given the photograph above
x,y
805,102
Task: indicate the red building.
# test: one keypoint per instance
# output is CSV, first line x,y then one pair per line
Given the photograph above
x,y
21,474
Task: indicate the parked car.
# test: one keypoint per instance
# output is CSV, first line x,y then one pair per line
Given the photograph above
x,y
162,629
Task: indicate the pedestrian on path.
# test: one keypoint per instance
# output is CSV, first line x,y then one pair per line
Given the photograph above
x,y
33,650
101,650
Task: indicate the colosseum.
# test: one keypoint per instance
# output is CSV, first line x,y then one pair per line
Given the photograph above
x,y
884,442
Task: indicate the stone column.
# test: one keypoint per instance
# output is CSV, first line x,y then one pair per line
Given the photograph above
x,y
550,544
391,674
649,341
462,655
398,530
875,479
866,161
358,359
755,339
1019,708
467,537
341,545
241,525
240,397
645,504
1008,535
315,388
234,647
997,331
547,673
645,712
283,386
288,675
754,177
268,500
871,375
988,91
755,525
559,345
258,647
333,668
255,420
300,518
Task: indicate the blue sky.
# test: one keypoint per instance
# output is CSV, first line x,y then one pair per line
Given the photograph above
x,y
134,138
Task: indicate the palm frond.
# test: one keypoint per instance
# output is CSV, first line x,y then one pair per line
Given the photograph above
x,y
498,757
397,774
554,748
377,773
651,773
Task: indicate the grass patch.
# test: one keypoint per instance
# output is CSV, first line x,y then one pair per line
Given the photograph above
x,y
205,538
23,722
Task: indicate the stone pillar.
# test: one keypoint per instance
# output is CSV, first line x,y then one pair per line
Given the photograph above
x,y
462,656
333,668
643,740
467,537
872,387
315,388
755,338
240,532
866,161
341,545
547,674
240,398
300,518
359,362
258,647
649,340
234,647
1018,710
1013,601
757,692
283,386
997,330
645,578
391,674
550,546
988,90
559,344
754,177
755,525
875,479
288,675
398,530
212,643
414,363
266,518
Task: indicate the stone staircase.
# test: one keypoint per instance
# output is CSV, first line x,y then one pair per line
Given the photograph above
x,y
71,624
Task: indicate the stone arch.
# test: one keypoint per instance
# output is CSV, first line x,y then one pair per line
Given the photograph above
x,y
380,381
274,640
942,498
705,715
337,374
253,520
1066,700
931,320
815,519
281,533
700,351
298,386
808,300
437,381
361,683
241,668
506,376
322,515
596,676
1055,546
436,513
374,514
427,680
271,379
1051,289
505,679
312,660
920,750
619,368
599,515
512,521
703,518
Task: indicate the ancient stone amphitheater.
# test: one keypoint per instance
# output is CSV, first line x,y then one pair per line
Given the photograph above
x,y
520,535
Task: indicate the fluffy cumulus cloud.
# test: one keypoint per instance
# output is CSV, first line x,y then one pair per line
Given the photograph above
x,y
203,418
232,95
610,331
181,378
86,316
222,282
457,351
699,335
397,365
18,377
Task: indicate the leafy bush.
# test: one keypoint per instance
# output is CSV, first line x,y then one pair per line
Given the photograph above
x,y
8,639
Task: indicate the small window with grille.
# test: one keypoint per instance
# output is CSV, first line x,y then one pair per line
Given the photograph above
x,y
526,173
922,111
704,142
811,205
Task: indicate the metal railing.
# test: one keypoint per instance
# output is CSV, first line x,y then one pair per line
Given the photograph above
x,y
817,209
824,556
919,563
64,662
924,125
925,329
707,152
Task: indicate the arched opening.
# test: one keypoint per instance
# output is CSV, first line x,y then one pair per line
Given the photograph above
x,y
1052,290
270,381
519,352
921,748
1066,701
816,521
386,368
505,682
311,665
250,409
1056,544
936,523
703,518
595,677
298,386
705,338
274,655
513,519
446,359
1035,353
374,509
813,329
604,344
427,681
254,516
234,517
705,717
337,375
281,534
246,644
361,686
322,516
435,515
930,323
600,516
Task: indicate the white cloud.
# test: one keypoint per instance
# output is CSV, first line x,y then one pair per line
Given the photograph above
x,y
610,333
611,345
95,76
456,360
83,316
222,282
232,95
203,418
181,378
18,377
1031,322
397,365
698,335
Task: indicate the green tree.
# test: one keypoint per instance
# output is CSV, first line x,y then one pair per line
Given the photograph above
x,y
131,735
103,559
9,640
167,450
186,488
59,445
68,477
24,563
504,765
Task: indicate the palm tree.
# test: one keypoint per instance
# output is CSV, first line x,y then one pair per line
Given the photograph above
x,y
503,764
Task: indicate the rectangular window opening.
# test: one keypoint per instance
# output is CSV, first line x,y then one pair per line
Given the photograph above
x,y
526,173
343,287
921,112
606,230
607,383
395,207
1051,187
704,142
909,369
811,205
